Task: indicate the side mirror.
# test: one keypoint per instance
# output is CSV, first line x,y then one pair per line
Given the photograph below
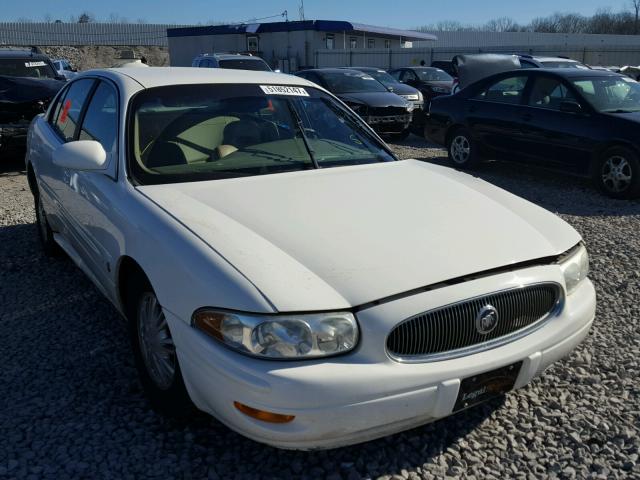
x,y
390,89
80,155
570,106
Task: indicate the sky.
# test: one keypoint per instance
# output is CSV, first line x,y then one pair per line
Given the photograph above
x,y
399,14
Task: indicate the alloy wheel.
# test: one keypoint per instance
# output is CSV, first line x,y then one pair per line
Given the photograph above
x,y
616,174
460,149
156,345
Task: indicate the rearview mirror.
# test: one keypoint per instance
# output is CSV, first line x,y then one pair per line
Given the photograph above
x,y
80,155
570,106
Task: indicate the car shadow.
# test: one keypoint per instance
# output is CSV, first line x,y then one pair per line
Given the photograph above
x,y
68,369
554,190
11,164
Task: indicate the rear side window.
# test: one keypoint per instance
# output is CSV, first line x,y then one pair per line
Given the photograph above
x,y
101,120
549,93
506,90
70,108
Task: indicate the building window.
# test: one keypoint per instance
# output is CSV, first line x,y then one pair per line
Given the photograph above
x,y
252,44
330,41
387,44
353,42
371,43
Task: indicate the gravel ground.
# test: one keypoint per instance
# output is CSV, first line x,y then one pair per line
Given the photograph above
x,y
71,405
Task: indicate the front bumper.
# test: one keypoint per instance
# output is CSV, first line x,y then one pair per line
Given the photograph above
x,y
389,123
364,395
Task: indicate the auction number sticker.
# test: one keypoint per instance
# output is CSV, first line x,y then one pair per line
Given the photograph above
x,y
35,64
284,90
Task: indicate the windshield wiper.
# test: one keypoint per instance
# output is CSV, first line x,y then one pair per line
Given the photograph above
x,y
305,139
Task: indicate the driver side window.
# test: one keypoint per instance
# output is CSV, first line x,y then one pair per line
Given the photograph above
x,y
506,90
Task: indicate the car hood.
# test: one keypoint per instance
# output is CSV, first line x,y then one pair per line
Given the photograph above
x,y
25,89
346,236
443,84
403,89
374,99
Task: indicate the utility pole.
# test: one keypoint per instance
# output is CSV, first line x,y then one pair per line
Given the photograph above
x,y
301,10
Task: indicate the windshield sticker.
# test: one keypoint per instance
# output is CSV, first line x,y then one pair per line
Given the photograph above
x,y
35,64
65,111
283,90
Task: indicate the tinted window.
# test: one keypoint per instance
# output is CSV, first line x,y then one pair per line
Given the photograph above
x,y
407,75
549,93
610,94
352,82
101,120
433,75
206,132
68,114
243,64
26,67
507,90
396,74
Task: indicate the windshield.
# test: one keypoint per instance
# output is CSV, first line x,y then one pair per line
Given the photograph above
x,y
384,78
352,82
564,64
245,64
26,67
433,75
187,133
610,94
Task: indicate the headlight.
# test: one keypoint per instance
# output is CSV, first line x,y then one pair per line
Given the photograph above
x,y
420,96
281,336
575,268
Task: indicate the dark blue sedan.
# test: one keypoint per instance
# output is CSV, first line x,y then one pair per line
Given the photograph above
x,y
587,122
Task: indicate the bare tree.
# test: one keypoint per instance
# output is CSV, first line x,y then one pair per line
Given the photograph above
x,y
502,24
47,18
86,17
142,21
635,5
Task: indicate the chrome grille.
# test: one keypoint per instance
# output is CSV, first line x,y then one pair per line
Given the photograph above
x,y
451,331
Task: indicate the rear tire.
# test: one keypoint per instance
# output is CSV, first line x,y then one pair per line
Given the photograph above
x,y
154,352
617,173
462,150
49,245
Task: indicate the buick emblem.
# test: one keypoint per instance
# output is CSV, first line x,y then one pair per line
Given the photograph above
x,y
487,319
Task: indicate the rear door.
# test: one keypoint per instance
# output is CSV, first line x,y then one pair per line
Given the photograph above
x,y
492,112
551,135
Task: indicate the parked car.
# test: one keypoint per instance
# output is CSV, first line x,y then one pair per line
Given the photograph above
x,y
432,82
236,61
530,61
64,68
407,92
446,65
386,112
583,121
279,268
28,82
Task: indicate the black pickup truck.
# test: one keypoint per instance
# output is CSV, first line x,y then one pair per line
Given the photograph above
x,y
28,82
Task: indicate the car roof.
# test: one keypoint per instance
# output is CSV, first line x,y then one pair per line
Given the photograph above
x,y
9,53
364,69
551,59
571,72
229,56
332,70
164,76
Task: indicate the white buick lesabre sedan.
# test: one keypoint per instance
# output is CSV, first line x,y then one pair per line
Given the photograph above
x,y
281,270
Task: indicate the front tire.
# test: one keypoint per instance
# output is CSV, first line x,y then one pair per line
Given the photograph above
x,y
617,173
155,354
462,150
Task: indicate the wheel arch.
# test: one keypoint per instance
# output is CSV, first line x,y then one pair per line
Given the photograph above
x,y
31,179
597,154
129,272
450,131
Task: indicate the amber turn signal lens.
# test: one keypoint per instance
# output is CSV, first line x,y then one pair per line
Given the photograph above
x,y
262,415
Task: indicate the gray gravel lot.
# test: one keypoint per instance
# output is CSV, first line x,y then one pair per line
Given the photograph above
x,y
71,405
